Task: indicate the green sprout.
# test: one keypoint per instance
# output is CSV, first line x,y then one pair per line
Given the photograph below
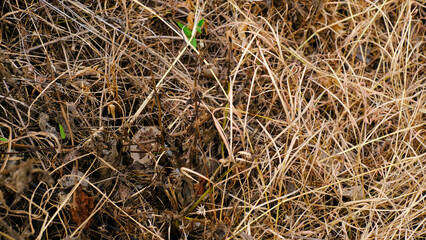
x,y
62,132
3,139
188,32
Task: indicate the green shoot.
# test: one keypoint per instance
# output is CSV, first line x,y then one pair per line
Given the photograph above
x,y
200,25
188,32
62,132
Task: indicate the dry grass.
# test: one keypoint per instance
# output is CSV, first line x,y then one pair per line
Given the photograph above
x,y
289,120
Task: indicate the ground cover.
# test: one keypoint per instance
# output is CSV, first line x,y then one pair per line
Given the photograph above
x,y
276,119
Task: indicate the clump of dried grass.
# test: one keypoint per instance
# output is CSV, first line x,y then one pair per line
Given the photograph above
x,y
312,125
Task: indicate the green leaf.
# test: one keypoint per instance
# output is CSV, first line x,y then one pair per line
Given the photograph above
x,y
3,139
62,131
194,42
181,25
187,32
200,25
185,29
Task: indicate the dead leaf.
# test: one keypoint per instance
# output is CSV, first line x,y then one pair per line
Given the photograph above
x,y
190,20
241,29
111,110
82,207
208,72
190,5
5,73
69,180
145,143
220,231
124,191
43,123
22,177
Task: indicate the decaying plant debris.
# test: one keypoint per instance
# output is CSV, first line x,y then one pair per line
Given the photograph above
x,y
283,119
